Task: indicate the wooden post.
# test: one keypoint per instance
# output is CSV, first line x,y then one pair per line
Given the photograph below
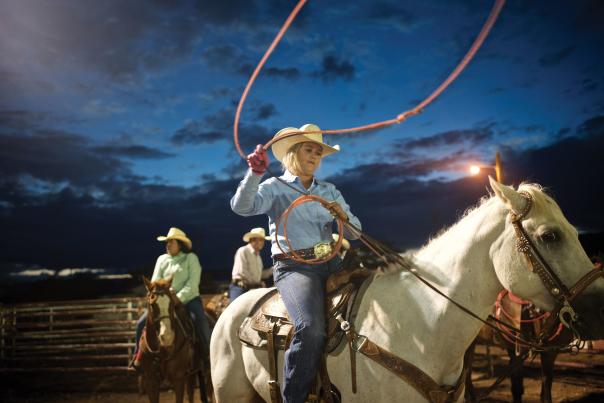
x,y
2,332
13,330
130,349
498,173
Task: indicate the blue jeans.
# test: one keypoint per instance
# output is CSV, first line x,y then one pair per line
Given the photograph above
x,y
302,288
235,291
200,321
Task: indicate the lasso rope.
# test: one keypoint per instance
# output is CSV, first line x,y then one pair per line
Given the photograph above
x,y
496,9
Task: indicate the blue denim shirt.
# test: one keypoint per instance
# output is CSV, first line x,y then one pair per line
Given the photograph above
x,y
307,225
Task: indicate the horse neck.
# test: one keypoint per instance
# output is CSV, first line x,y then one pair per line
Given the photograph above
x,y
459,264
151,331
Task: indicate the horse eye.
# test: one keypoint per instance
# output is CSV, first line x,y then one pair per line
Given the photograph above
x,y
549,236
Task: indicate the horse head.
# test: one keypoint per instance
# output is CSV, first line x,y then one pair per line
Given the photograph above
x,y
538,257
161,303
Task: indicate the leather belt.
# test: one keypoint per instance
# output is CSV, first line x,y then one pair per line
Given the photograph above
x,y
319,251
245,286
308,253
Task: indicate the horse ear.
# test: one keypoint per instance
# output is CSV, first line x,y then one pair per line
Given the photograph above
x,y
510,197
147,283
169,281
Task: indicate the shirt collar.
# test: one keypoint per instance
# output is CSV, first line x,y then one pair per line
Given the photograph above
x,y
251,249
290,177
177,256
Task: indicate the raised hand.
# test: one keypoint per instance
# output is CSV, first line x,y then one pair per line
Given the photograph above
x,y
258,160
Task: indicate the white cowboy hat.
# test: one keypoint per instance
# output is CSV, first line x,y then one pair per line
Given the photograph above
x,y
175,233
281,147
345,243
255,233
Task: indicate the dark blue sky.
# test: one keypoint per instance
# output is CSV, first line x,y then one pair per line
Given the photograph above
x,y
116,116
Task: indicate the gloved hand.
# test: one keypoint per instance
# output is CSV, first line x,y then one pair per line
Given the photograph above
x,y
258,160
336,210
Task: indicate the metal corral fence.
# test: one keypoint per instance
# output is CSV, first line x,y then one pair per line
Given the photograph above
x,y
64,336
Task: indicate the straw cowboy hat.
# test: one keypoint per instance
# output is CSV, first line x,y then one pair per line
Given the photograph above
x,y
345,243
175,233
255,233
281,147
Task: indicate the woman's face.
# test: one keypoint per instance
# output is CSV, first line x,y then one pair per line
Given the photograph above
x,y
309,157
172,247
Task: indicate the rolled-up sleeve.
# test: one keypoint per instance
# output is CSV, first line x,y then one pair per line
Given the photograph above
x,y
252,197
191,288
351,217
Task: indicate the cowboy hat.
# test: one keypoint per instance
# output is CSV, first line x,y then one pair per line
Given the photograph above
x,y
175,233
280,147
255,233
345,243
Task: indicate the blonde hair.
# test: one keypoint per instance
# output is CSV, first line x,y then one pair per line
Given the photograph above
x,y
290,160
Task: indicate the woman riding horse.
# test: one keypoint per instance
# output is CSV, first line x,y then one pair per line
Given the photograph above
x,y
182,265
302,286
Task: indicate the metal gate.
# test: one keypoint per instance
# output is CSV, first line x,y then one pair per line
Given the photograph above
x,y
65,336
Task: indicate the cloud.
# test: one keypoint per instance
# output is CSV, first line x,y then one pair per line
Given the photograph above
x,y
226,57
392,15
219,126
117,39
22,120
97,108
264,111
396,207
393,205
289,73
454,137
133,151
56,156
333,68
568,167
250,15
197,133
551,59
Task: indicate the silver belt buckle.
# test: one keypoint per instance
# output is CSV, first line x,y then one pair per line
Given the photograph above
x,y
322,250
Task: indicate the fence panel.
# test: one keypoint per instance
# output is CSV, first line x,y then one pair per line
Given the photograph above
x,y
65,336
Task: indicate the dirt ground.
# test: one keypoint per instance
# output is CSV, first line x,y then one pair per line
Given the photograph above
x,y
568,387
577,379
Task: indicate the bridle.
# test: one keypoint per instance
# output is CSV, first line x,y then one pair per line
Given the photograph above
x,y
563,312
152,296
564,296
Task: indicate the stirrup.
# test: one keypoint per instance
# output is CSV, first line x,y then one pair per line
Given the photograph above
x,y
135,365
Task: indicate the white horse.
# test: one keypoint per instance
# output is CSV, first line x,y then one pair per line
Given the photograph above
x,y
471,262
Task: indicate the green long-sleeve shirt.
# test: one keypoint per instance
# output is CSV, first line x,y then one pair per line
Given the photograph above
x,y
186,272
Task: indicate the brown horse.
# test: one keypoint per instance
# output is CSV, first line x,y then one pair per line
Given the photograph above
x,y
521,315
169,349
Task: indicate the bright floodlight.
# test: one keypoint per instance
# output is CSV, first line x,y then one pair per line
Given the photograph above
x,y
474,169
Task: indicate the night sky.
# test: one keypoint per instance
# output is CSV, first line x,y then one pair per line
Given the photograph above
x,y
116,116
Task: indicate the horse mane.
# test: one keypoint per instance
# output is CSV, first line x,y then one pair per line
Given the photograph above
x,y
538,192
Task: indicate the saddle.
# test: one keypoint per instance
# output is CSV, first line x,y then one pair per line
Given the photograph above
x,y
269,327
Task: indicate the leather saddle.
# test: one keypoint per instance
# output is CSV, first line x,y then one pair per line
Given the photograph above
x,y
269,313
